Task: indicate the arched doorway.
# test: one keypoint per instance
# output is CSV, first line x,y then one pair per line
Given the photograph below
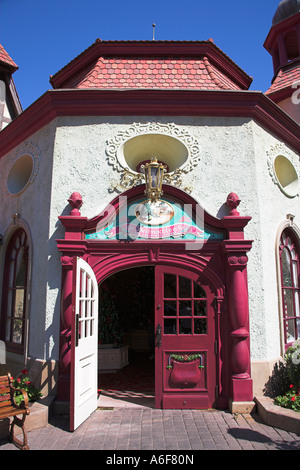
x,y
164,319
213,255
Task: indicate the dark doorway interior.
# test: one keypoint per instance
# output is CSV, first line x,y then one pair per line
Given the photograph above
x,y
126,315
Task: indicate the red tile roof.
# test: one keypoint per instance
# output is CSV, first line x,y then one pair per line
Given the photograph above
x,y
7,60
152,65
284,81
153,73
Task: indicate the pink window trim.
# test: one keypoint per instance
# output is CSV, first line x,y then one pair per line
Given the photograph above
x,y
18,240
287,236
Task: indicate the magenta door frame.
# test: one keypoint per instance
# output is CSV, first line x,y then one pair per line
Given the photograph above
x,y
222,263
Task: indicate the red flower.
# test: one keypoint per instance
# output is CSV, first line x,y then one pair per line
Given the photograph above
x,y
293,398
19,380
291,386
24,371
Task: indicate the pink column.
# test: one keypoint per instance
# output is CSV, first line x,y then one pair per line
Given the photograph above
x,y
236,248
74,225
241,382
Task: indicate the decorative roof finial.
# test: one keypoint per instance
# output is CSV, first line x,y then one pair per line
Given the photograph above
x,y
75,201
153,37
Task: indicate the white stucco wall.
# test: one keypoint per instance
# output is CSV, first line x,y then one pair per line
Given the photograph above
x,y
33,205
72,157
233,157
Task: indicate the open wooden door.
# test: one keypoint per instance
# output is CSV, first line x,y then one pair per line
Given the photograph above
x,y
185,360
84,345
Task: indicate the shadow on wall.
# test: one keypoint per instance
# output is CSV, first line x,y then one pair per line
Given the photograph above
x,y
278,382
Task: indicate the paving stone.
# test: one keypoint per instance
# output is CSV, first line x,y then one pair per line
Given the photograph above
x,y
150,429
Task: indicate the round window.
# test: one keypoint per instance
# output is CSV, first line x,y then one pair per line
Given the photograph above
x,y
20,174
286,175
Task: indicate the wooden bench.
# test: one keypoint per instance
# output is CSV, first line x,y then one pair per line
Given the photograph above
x,y
8,409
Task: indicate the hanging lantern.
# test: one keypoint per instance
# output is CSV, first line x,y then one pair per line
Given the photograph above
x,y
154,173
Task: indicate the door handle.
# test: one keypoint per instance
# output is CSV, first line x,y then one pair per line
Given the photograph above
x,y
158,336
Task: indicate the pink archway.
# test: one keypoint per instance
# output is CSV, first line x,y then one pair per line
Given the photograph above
x,y
222,263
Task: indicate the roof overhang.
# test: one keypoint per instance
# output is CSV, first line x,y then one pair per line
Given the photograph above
x,y
90,102
152,49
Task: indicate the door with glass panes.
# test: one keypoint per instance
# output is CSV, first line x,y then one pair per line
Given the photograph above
x,y
185,360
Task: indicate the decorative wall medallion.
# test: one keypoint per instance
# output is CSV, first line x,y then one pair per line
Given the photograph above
x,y
283,168
21,169
140,142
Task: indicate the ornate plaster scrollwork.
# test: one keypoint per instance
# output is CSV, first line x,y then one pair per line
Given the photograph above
x,y
283,166
128,177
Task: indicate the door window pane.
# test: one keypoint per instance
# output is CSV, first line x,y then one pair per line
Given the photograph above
x,y
185,287
170,308
185,308
170,326
200,326
170,286
199,292
185,326
200,308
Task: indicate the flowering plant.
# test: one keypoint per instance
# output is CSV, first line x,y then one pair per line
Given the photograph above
x,y
24,383
291,399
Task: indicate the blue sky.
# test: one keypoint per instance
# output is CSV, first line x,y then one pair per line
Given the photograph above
x,y
42,36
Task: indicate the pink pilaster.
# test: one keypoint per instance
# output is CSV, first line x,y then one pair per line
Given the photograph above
x,y
73,225
236,249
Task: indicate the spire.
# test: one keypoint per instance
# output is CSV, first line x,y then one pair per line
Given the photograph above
x,y
283,43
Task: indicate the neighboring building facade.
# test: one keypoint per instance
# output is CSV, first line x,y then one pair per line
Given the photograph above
x,y
225,292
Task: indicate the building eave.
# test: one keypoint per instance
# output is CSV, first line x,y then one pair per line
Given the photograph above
x,y
153,49
94,102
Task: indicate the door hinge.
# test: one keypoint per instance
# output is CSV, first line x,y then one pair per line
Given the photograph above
x,y
216,347
217,391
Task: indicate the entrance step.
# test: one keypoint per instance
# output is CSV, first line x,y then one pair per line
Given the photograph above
x,y
125,399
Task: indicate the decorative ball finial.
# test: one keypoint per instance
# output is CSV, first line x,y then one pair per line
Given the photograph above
x,y
233,202
75,200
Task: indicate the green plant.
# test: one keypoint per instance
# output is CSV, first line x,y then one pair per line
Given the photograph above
x,y
185,358
23,382
291,399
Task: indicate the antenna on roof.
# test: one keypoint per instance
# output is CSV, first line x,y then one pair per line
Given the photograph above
x,y
153,26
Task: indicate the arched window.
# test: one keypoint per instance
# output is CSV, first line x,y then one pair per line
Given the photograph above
x,y
14,294
289,264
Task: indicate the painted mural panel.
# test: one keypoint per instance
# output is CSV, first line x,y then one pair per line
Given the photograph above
x,y
164,219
